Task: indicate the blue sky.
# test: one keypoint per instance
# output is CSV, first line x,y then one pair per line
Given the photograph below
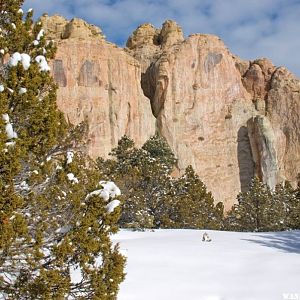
x,y
250,28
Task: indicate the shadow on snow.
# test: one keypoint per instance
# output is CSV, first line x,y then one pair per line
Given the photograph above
x,y
284,241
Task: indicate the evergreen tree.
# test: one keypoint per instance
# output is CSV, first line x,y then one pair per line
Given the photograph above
x,y
158,149
193,206
296,214
152,198
218,220
293,221
143,176
55,213
282,210
253,211
260,209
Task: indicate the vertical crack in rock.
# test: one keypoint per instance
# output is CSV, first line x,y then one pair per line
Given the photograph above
x,y
154,83
148,82
110,103
128,120
148,44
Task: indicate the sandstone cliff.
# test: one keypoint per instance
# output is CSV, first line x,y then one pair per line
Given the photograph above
x,y
202,109
228,118
100,83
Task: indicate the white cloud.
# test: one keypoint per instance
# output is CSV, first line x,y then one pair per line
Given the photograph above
x,y
251,29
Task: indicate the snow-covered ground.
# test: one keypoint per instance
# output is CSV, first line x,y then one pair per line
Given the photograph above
x,y
177,265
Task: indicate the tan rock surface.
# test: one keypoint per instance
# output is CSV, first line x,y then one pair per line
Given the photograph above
x,y
228,118
202,109
276,93
99,82
283,111
223,115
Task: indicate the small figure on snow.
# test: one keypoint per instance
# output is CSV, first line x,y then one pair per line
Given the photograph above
x,y
206,238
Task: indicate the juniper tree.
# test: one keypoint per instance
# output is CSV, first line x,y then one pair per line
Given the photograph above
x,y
56,215
158,149
261,209
253,211
152,198
293,199
193,206
282,210
144,177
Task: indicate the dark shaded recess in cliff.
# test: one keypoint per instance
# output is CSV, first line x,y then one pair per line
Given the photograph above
x,y
245,158
59,73
148,90
148,84
87,76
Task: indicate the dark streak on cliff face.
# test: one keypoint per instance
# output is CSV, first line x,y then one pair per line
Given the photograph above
x,y
88,74
59,73
211,60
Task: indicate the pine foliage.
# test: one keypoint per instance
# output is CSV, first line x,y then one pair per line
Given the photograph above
x,y
152,197
56,215
261,209
142,177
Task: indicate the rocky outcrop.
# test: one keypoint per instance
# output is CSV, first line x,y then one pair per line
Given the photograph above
x,y
98,82
228,118
221,114
202,109
263,148
147,44
283,111
276,94
79,29
57,27
54,26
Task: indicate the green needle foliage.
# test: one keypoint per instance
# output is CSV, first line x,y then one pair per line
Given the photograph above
x,y
152,197
261,209
55,224
194,205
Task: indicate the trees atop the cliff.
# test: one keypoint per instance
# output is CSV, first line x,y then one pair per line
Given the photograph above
x,y
56,216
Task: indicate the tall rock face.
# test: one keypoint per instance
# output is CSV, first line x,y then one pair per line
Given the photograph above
x,y
263,147
228,118
100,83
276,92
202,109
283,111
